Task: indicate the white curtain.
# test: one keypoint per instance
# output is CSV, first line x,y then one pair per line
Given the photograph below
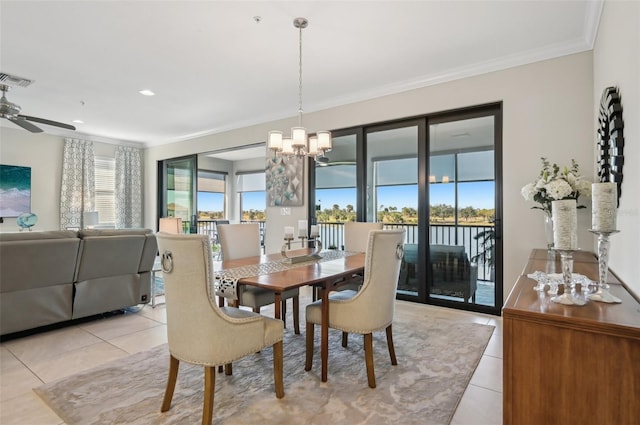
x,y
128,202
78,176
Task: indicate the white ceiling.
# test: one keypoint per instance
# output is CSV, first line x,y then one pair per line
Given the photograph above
x,y
214,68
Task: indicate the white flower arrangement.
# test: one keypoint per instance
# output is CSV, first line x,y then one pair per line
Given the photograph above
x,y
554,184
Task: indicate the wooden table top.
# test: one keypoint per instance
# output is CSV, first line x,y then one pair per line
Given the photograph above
x,y
524,302
295,277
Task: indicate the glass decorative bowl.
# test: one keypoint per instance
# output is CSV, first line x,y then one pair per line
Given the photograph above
x,y
26,220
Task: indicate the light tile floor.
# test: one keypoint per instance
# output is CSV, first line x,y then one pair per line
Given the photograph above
x,y
28,362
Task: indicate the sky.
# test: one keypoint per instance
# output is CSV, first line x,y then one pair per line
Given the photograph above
x,y
479,195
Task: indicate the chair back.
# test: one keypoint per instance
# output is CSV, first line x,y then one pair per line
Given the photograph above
x,y
373,306
197,330
356,235
170,225
239,240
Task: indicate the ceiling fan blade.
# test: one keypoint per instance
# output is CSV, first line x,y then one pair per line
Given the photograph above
x,y
48,122
25,124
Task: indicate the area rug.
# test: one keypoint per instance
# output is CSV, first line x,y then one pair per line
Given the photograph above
x,y
436,359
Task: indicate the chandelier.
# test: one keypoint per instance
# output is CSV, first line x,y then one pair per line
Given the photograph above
x,y
299,143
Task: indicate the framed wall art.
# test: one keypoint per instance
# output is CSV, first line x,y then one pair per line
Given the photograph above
x,y
15,190
285,181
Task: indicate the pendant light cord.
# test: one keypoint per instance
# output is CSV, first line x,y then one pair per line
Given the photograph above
x,y
300,80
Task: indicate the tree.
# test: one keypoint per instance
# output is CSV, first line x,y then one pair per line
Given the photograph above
x,y
441,211
467,213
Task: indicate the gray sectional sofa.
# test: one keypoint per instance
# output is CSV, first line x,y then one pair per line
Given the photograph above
x,y
55,276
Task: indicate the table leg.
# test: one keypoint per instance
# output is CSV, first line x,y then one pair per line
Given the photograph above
x,y
324,332
152,293
278,305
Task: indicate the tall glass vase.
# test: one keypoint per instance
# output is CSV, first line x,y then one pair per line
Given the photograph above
x,y
548,229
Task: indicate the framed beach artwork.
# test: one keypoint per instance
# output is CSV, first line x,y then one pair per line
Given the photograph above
x,y
284,181
15,190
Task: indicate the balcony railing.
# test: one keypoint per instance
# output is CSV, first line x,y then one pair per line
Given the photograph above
x,y
208,227
332,236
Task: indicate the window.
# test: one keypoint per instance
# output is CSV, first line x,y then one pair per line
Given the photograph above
x,y
211,195
251,187
396,190
105,188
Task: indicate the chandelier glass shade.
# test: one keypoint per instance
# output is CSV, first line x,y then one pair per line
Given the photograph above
x,y
299,143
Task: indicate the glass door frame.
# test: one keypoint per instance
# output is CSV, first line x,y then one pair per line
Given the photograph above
x,y
424,121
494,110
162,209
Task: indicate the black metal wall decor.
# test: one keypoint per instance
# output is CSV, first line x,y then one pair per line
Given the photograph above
x,y
611,138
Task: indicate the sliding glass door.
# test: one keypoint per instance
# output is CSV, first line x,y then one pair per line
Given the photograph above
x,y
177,191
335,199
392,191
438,177
464,233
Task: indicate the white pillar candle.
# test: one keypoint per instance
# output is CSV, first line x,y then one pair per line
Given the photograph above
x,y
565,224
288,233
604,199
302,228
315,232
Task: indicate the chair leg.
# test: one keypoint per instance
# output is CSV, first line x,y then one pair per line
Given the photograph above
x,y
228,369
278,369
392,351
309,345
209,391
296,315
171,383
368,358
345,339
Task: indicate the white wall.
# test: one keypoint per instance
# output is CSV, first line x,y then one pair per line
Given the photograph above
x,y
616,62
548,111
43,153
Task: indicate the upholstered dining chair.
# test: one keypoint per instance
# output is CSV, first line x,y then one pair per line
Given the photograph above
x,y
242,241
370,309
201,333
356,236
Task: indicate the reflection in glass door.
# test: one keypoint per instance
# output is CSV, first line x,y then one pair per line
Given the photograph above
x,y
177,193
462,212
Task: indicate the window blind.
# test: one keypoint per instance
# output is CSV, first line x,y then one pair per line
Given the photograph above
x,y
105,185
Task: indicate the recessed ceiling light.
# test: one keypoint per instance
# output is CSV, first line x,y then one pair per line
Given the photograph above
x,y
147,92
78,121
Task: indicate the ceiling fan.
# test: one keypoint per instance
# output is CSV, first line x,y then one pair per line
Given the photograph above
x,y
11,111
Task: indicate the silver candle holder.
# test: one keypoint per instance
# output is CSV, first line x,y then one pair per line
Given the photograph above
x,y
317,247
602,293
569,296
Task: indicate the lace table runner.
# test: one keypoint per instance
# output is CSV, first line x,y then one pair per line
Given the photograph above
x,y
225,281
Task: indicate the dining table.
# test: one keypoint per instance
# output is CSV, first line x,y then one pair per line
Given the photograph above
x,y
275,272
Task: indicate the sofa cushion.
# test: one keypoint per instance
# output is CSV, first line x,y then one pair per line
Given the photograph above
x,y
31,236
102,256
113,232
26,264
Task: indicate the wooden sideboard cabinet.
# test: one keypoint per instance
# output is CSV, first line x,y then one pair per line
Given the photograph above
x,y
570,364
